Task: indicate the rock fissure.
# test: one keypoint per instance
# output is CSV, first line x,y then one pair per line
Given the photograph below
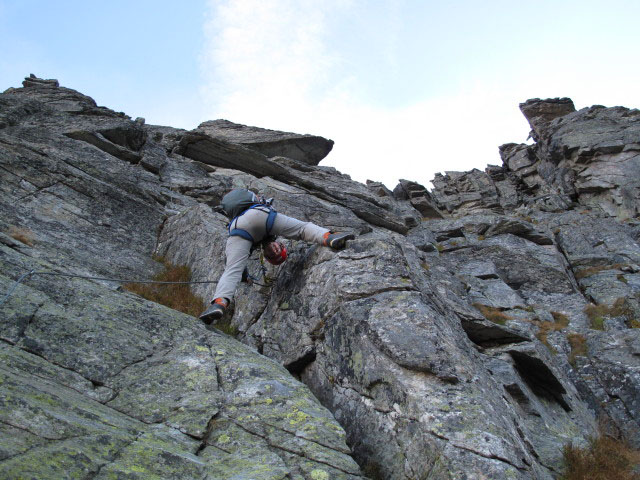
x,y
37,190
154,353
306,439
36,434
115,456
208,432
277,447
475,452
43,357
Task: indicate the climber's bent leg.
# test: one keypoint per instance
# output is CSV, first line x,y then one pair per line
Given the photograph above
x,y
238,250
295,229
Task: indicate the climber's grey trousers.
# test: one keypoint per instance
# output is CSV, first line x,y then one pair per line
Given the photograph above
x,y
255,222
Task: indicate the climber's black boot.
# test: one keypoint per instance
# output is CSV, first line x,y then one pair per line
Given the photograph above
x,y
215,311
337,241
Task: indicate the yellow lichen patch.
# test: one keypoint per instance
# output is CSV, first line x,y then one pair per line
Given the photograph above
x,y
319,475
296,416
224,438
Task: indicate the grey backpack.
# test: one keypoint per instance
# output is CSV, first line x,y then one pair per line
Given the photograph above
x,y
237,201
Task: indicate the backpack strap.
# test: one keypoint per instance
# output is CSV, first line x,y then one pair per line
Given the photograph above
x,y
271,219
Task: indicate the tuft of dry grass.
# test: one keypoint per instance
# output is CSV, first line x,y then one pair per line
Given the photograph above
x,y
560,321
493,314
596,314
604,459
178,297
578,344
587,272
620,308
22,234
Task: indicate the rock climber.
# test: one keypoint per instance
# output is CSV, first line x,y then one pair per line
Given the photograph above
x,y
254,221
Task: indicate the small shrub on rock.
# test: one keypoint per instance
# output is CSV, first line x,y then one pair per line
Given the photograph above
x,y
587,272
21,234
560,321
620,308
493,314
578,344
604,459
179,297
596,314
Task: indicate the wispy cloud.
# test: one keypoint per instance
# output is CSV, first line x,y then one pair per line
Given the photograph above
x,y
275,64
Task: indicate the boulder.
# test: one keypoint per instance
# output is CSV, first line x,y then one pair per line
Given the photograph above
x,y
309,149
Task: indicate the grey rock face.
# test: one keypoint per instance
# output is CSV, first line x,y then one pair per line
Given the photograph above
x,y
419,198
99,383
468,332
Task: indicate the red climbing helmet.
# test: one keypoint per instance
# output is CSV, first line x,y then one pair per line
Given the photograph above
x,y
275,252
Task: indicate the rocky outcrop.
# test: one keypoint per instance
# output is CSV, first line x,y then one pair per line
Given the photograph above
x,y
308,149
588,158
468,332
99,383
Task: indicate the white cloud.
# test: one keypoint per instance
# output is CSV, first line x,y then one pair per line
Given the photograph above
x,y
268,64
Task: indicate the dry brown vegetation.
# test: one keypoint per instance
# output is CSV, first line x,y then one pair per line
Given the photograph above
x,y
604,459
587,272
596,314
493,314
620,308
23,235
578,344
560,321
178,297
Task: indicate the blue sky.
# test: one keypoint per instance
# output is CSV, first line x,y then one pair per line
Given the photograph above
x,y
405,88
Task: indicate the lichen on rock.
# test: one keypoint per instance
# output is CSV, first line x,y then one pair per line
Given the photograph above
x,y
384,360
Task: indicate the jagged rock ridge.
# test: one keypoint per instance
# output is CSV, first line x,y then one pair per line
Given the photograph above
x,y
452,339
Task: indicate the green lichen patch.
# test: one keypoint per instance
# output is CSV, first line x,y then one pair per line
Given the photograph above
x,y
69,458
179,387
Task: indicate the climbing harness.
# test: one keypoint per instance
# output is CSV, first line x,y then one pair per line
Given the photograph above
x,y
240,232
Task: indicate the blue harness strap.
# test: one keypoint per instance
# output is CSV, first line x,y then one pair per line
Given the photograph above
x,y
271,219
240,232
